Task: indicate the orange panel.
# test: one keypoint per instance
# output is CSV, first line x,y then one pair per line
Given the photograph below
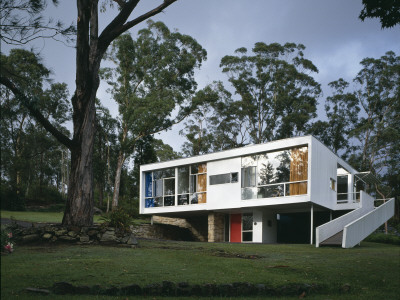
x,y
202,168
202,198
202,183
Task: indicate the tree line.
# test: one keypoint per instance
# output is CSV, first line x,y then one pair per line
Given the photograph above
x,y
153,83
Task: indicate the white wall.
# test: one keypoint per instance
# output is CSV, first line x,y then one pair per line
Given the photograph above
x,y
269,233
220,196
257,226
324,167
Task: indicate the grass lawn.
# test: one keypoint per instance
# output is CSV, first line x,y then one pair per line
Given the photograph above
x,y
372,270
36,216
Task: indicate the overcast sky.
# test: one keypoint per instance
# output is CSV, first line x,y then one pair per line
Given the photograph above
x,y
335,39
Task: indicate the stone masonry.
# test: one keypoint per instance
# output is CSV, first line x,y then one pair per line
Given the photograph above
x,y
215,227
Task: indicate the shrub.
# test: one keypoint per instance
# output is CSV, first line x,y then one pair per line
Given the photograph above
x,y
130,206
384,238
117,218
7,244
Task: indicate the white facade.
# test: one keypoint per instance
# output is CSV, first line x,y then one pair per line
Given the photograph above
x,y
266,182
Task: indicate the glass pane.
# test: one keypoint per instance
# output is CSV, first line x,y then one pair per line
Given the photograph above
x,y
169,201
293,189
234,177
270,191
194,169
158,202
247,236
193,199
342,186
220,179
149,202
202,198
247,222
283,166
183,199
183,180
158,187
169,186
157,174
148,184
168,172
249,193
248,161
202,183
193,184
266,170
248,176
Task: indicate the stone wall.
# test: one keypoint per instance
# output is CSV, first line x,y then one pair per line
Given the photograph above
x,y
216,227
99,234
86,235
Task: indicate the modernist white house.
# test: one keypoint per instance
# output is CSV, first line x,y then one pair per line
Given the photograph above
x,y
287,191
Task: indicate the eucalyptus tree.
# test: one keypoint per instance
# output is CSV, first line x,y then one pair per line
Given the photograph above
x,y
91,45
277,94
30,155
342,112
152,83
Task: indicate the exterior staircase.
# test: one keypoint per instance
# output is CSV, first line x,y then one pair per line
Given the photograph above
x,y
351,228
334,240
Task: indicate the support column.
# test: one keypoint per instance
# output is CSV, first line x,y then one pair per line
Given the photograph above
x,y
330,215
312,224
215,227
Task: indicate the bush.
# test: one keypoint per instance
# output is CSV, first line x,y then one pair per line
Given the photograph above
x,y
118,218
130,206
384,238
10,200
44,195
7,244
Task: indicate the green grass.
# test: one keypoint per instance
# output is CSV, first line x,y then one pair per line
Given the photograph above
x,y
35,216
372,270
48,217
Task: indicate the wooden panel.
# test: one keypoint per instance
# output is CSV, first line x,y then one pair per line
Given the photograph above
x,y
202,198
202,183
236,228
202,168
298,171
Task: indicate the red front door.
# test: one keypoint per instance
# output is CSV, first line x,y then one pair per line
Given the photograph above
x,y
236,228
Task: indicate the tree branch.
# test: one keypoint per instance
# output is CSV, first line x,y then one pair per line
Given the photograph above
x,y
117,26
63,139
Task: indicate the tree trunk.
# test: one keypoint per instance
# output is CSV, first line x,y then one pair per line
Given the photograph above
x,y
79,206
117,182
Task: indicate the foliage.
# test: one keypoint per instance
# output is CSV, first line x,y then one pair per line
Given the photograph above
x,y
7,243
21,21
117,218
52,214
154,75
387,11
384,238
276,98
33,163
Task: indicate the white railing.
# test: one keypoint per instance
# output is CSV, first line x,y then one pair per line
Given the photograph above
x,y
331,228
359,229
343,198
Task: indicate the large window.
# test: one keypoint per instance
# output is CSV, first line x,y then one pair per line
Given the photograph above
x,y
191,186
275,174
160,188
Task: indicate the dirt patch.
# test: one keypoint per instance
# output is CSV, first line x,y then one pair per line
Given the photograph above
x,y
222,253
